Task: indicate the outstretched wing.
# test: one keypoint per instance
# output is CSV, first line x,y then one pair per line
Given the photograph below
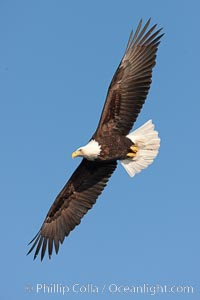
x,y
72,203
131,82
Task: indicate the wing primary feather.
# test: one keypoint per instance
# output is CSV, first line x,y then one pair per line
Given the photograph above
x,y
129,40
156,41
56,245
38,246
44,246
35,239
137,32
50,247
151,38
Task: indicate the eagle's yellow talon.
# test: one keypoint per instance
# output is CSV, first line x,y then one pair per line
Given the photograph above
x,y
131,154
134,150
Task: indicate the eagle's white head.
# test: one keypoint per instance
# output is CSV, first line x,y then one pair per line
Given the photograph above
x,y
90,151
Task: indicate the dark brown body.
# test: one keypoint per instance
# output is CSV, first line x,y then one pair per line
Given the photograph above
x,y
114,147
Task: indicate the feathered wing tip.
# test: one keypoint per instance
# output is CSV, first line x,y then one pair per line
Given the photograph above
x,y
148,143
142,37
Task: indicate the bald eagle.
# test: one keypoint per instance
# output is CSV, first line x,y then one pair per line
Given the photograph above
x,y
110,143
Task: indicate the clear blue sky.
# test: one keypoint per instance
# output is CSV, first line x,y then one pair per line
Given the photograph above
x,y
56,61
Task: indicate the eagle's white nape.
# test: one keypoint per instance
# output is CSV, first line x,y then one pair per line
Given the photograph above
x,y
91,150
148,143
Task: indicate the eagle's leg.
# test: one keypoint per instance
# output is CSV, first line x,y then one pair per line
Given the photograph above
x,y
134,150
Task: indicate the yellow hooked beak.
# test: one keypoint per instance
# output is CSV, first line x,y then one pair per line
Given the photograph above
x,y
76,153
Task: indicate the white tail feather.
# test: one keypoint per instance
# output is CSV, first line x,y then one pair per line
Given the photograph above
x,y
148,143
